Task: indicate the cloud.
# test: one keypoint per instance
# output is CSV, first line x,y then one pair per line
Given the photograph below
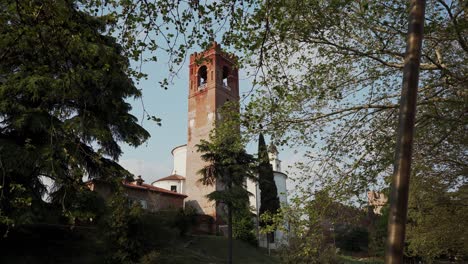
x,y
149,170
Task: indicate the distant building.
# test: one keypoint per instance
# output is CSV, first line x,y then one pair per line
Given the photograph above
x,y
149,197
376,201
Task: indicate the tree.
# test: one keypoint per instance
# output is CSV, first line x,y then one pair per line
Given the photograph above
x,y
227,163
403,151
310,219
243,226
63,85
269,201
331,83
329,77
437,220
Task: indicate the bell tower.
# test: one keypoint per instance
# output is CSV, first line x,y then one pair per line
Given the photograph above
x,y
214,80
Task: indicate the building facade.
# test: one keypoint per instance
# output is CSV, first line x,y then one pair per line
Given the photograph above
x,y
150,197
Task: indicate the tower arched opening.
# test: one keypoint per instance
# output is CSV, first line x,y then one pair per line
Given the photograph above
x,y
225,80
202,77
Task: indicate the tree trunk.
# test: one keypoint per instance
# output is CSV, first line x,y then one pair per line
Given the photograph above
x,y
400,184
268,243
230,234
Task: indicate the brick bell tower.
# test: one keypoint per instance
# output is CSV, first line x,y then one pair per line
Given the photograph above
x,y
214,80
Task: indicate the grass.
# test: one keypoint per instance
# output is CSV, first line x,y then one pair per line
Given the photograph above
x,y
213,249
62,245
81,245
52,245
354,260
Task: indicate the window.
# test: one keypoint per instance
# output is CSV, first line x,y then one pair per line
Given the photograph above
x,y
225,77
130,202
144,204
174,188
202,77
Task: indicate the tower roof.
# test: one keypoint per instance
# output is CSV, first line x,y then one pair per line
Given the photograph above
x,y
272,148
173,177
214,49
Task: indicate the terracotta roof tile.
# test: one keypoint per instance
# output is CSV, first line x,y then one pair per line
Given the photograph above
x,y
152,188
171,177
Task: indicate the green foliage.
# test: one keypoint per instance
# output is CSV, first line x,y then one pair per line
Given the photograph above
x,y
352,238
306,240
183,220
269,201
131,232
437,220
63,86
79,204
207,249
228,165
313,223
122,225
378,233
243,226
228,162
151,258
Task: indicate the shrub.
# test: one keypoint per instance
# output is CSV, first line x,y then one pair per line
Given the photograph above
x,y
243,227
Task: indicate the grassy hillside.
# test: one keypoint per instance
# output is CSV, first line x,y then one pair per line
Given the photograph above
x,y
62,245
212,249
56,244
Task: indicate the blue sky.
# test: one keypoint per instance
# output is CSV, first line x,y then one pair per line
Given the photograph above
x,y
153,159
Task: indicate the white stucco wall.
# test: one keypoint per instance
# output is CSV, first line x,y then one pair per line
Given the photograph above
x,y
166,184
274,161
280,182
180,159
252,188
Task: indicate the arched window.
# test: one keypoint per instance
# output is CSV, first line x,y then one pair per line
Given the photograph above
x,y
225,77
202,77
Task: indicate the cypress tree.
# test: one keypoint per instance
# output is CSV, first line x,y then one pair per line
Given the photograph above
x,y
269,201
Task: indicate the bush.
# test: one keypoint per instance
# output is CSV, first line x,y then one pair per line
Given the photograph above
x,y
151,258
184,220
243,227
355,239
122,230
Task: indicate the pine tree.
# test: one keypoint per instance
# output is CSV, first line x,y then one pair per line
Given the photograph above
x,y
269,201
63,86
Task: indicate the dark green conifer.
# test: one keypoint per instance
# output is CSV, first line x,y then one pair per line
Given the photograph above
x,y
269,201
63,109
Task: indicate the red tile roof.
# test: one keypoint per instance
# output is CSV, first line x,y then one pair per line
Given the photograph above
x,y
152,188
171,177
